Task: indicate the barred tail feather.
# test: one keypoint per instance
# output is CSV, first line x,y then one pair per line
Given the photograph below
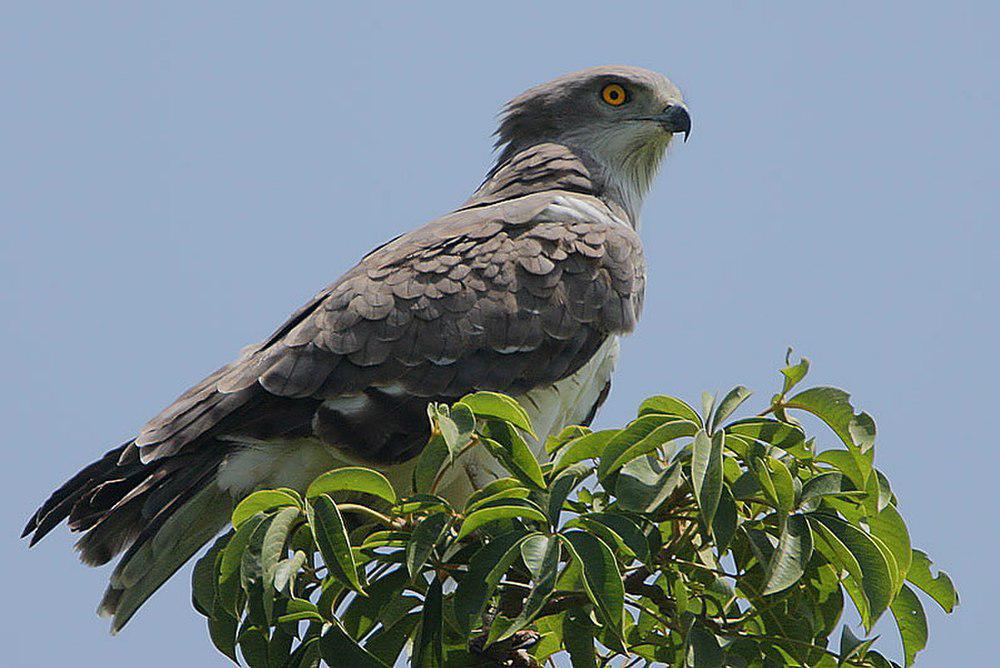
x,y
159,512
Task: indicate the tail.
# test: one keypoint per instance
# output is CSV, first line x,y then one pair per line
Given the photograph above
x,y
160,513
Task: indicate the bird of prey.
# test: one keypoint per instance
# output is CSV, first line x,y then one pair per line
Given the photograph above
x,y
524,289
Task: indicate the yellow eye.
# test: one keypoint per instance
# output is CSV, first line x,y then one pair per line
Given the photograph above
x,y
614,95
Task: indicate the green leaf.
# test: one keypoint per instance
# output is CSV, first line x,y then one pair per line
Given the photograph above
x,y
890,528
424,539
725,521
499,499
385,604
259,502
429,646
833,406
793,373
431,459
642,437
704,650
578,637
567,435
499,407
222,627
203,580
601,578
273,550
511,450
790,557
665,405
352,479
253,646
729,404
851,647
339,649
561,487
331,538
707,404
939,587
586,447
857,467
643,487
457,426
387,642
832,483
911,621
486,567
784,489
706,473
487,515
229,590
616,530
780,434
496,487
543,553
286,571
868,565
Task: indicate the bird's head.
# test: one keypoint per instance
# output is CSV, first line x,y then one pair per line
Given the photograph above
x,y
622,117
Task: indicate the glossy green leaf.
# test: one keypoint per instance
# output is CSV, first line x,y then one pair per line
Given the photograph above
x,y
259,502
339,649
616,530
273,551
586,447
486,567
429,463
601,577
793,373
939,587
724,522
784,489
578,638
203,580
510,449
567,435
791,556
733,399
665,405
229,591
543,553
642,437
876,573
911,621
704,650
428,652
833,406
487,515
352,479
706,473
424,539
643,487
780,434
253,646
499,407
890,528
331,537
856,466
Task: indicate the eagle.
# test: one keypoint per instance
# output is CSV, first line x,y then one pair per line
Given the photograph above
x,y
524,289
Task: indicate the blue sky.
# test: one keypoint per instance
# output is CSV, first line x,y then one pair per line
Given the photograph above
x,y
177,178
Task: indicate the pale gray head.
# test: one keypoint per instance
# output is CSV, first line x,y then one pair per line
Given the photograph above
x,y
621,117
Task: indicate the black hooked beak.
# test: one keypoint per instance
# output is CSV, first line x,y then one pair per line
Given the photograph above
x,y
674,118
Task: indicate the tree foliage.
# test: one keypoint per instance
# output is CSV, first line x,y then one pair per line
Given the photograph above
x,y
686,538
